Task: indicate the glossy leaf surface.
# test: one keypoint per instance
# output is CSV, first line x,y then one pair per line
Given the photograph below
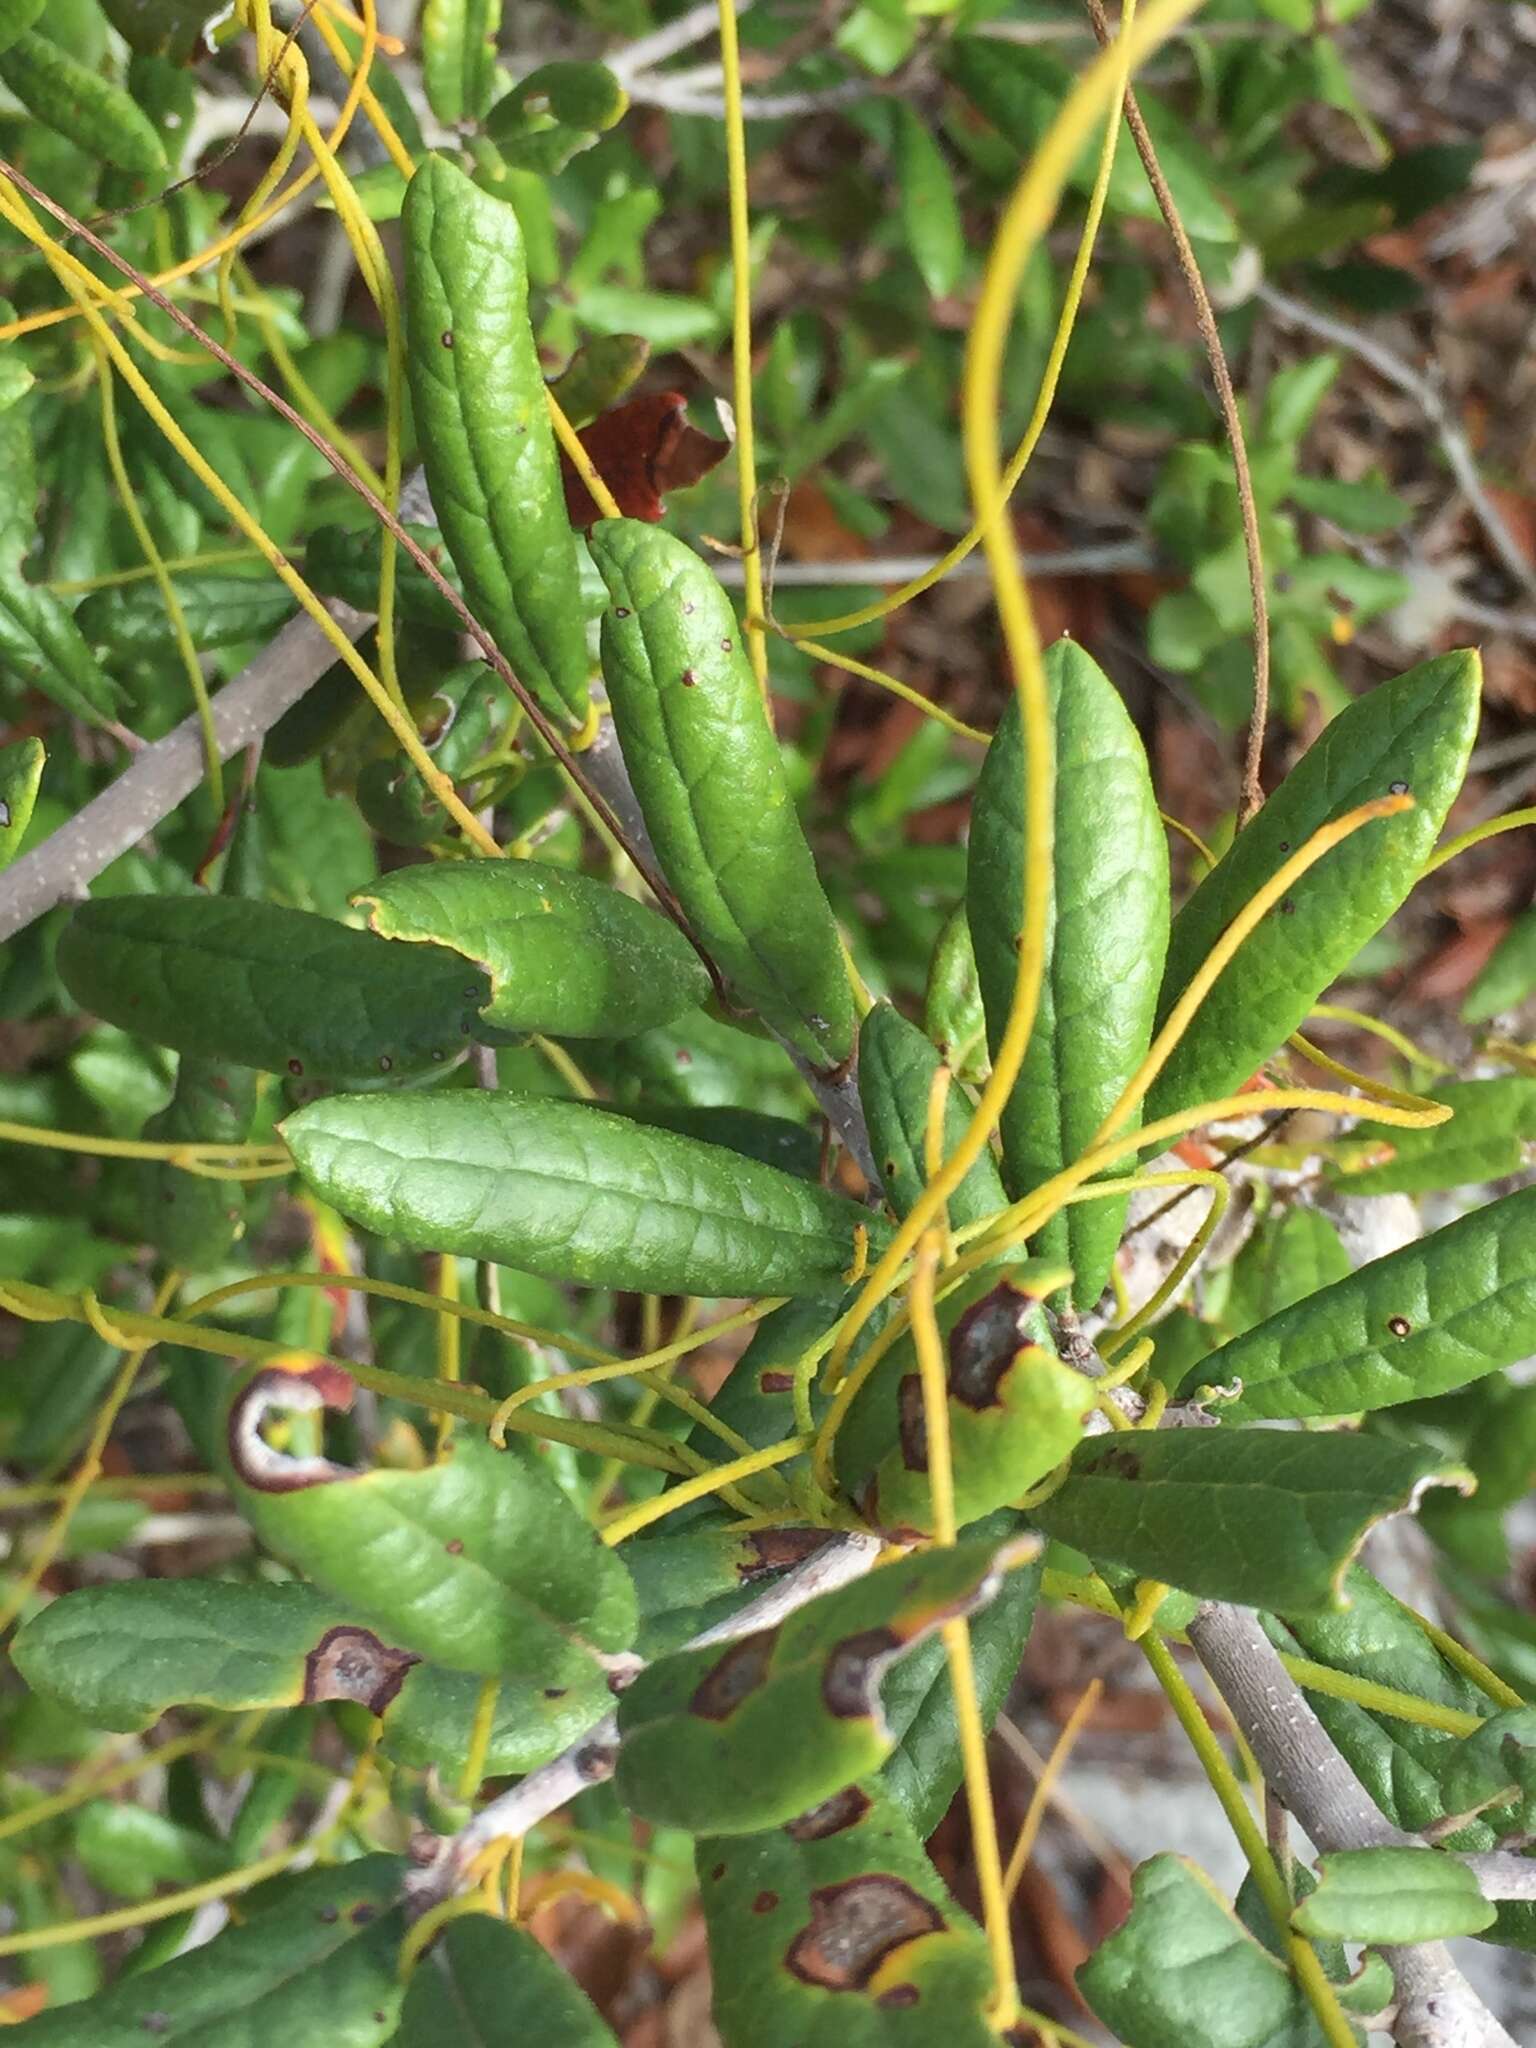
x,y
1393,1895
488,1985
897,1063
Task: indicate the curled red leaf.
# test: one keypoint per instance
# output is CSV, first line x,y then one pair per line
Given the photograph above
x,y
641,450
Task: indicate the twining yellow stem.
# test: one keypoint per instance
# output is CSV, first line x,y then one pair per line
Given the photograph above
x,y
14,209
1025,220
116,579
357,70
1303,1958
90,1464
741,337
1340,1013
1372,1089
699,1487
1467,1662
155,563
305,399
473,1773
1216,962
242,1161
580,460
1191,838
885,681
1040,1798
279,58
450,1362
1477,835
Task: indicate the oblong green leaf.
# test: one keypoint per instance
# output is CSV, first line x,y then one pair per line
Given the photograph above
x,y
192,1220
486,441
838,1929
162,28
1395,1895
16,17
711,784
537,1715
569,1191
930,213
319,1965
478,1561
1486,1139
1510,974
85,108
21,770
703,1731
1412,735
564,954
346,561
219,611
41,645
897,1063
953,1016
1106,936
488,1985
458,56
1261,1517
1438,1314
268,987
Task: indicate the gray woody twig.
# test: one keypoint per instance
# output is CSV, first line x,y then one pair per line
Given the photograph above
x,y
1436,2006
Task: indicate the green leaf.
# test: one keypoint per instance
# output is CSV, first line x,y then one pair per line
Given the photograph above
x,y
431,1720
897,1063
122,1655
1362,507
598,375
775,1140
458,56
16,17
43,648
270,988
21,770
346,562
485,1984
87,109
319,1965
703,1730
575,1193
1487,1139
838,1930
220,610
930,212
1292,400
1413,734
1182,1970
1015,1411
1393,1895
663,320
128,1850
478,1561
563,953
1105,939
1482,1769
1286,1263
190,1219
162,28
1257,1516
1510,973
556,111
953,1016
711,784
1436,1315
486,442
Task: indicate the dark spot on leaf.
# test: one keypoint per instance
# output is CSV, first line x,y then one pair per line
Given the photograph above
x,y
684,1056
912,1423
984,1343
555,1692
732,1677
843,1810
1397,788
1118,1463
5,812
328,1915
854,1926
454,1546
156,2023
1285,846
361,1914
899,1996
765,1902
717,1873
847,1683
385,1062
688,610
1399,1326
1288,907
621,611
352,1664
447,337
689,679
890,1168
295,1066
773,1550
772,1382
725,646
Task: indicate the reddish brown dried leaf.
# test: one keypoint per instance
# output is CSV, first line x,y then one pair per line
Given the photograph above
x,y
641,450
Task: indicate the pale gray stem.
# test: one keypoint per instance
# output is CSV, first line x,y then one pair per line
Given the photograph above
x,y
161,776
1436,2006
593,1759
1501,1874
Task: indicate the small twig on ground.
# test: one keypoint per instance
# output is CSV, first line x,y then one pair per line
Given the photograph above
x,y
1427,396
1252,797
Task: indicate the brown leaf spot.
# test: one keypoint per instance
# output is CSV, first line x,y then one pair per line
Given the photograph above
x,y
717,1873
898,1996
773,1550
765,1902
454,1546
771,1382
984,1343
847,1683
261,1465
843,1810
912,1421
352,1664
1400,1326
688,679
854,1926
1117,1463
732,1677
446,337
641,450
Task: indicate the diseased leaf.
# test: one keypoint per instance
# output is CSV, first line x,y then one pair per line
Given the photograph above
x,y
563,953
1182,1970
1438,1314
317,1965
1257,1516
489,1985
704,1730
477,1561
1393,1895
272,988
575,1193
431,1719
1409,736
642,450
897,1063
1105,939
839,1930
